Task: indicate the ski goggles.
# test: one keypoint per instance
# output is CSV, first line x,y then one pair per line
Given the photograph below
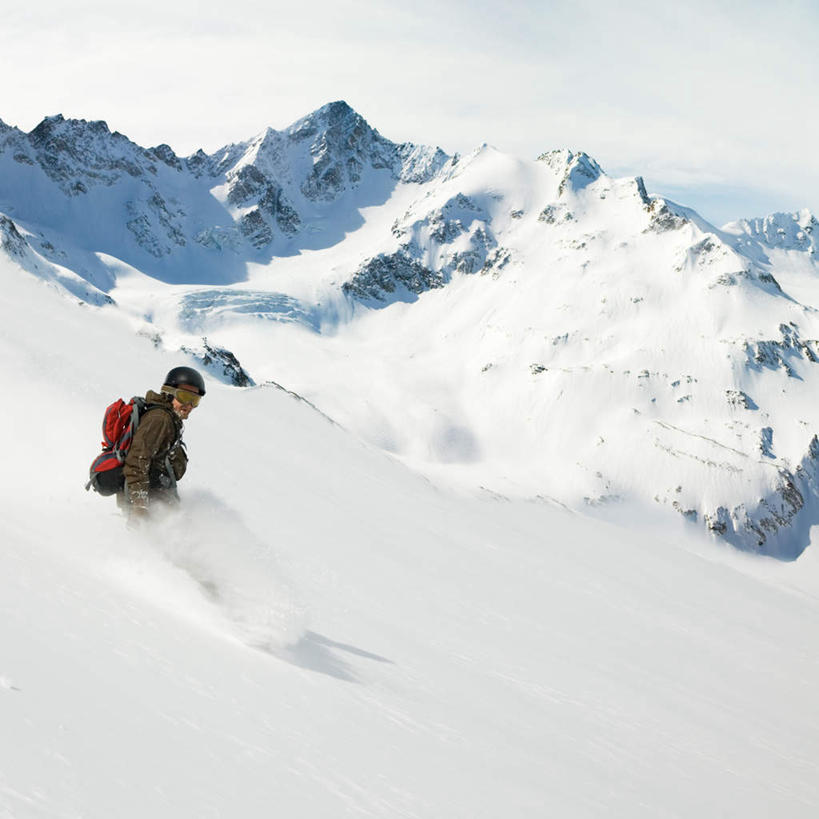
x,y
185,396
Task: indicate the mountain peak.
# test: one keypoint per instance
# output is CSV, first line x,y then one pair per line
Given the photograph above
x,y
339,109
786,231
78,153
575,168
59,124
335,119
565,157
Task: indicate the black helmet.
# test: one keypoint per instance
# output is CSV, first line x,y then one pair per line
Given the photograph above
x,y
185,375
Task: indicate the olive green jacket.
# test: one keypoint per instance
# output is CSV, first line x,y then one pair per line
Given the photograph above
x,y
157,444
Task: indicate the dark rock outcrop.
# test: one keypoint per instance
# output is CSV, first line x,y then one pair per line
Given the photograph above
x,y
385,276
783,353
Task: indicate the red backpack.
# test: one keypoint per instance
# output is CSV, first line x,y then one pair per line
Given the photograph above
x,y
118,427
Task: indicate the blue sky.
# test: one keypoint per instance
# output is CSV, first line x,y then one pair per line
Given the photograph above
x,y
711,102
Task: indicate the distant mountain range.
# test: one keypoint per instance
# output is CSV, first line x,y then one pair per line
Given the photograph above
x,y
97,191
534,328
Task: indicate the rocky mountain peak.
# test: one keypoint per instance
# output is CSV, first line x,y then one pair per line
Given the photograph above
x,y
70,130
784,231
335,119
561,158
575,169
166,154
76,153
342,146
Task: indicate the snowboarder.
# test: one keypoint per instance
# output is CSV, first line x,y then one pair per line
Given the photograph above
x,y
157,458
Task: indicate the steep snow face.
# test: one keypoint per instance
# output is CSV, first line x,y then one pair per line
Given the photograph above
x,y
536,328
318,632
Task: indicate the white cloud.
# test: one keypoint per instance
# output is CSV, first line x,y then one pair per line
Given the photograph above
x,y
715,93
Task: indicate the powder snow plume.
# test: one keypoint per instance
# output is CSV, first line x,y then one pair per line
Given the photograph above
x,y
203,550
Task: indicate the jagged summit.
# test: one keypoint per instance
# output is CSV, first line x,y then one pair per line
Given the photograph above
x,y
337,118
167,155
171,216
58,122
342,145
322,155
784,231
78,154
576,169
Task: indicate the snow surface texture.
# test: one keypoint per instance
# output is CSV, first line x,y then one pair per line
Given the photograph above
x,y
536,329
317,631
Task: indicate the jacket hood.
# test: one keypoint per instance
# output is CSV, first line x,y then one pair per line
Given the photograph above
x,y
158,398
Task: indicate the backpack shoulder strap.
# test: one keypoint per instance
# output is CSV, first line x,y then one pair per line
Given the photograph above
x,y
140,407
122,446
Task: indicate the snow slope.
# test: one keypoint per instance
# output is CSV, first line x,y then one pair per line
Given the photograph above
x,y
321,632
536,354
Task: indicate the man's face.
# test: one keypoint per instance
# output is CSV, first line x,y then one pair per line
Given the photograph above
x,y
183,410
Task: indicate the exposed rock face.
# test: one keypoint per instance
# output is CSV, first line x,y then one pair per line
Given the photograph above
x,y
577,170
737,398
663,218
767,526
154,228
164,153
246,184
198,164
274,203
384,276
255,229
456,235
766,442
11,241
554,214
781,354
342,145
78,155
222,363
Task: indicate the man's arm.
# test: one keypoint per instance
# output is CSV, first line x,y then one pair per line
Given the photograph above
x,y
179,461
154,434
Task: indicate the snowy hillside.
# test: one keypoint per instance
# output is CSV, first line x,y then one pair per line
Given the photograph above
x,y
320,632
536,329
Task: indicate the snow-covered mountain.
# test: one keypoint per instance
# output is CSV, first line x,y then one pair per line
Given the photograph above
x,y
97,192
533,328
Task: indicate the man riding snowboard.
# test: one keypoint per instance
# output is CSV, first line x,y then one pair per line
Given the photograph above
x,y
157,457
